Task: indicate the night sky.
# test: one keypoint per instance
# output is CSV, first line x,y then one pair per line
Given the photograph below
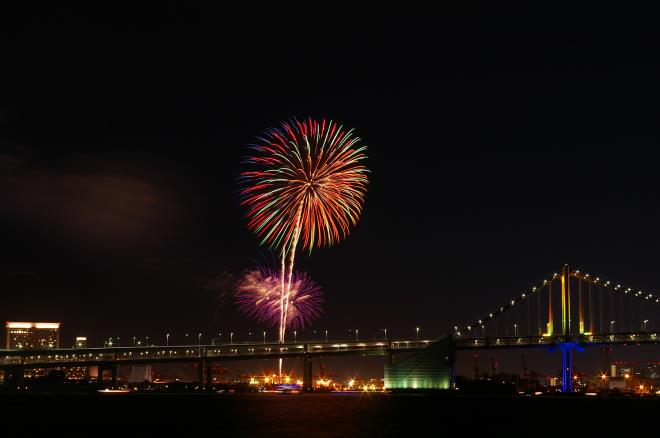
x,y
502,144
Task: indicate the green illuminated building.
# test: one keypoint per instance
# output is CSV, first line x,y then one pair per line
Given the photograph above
x,y
430,368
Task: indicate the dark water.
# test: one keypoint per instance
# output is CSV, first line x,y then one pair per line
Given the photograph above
x,y
330,415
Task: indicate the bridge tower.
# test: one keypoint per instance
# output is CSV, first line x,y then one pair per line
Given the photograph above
x,y
308,384
565,347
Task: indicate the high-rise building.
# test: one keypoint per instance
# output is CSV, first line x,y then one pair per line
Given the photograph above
x,y
78,373
652,370
33,335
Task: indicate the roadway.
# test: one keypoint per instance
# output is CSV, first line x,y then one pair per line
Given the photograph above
x,y
472,343
71,357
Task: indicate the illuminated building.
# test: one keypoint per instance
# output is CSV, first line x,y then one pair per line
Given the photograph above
x,y
76,373
429,368
33,335
652,370
623,368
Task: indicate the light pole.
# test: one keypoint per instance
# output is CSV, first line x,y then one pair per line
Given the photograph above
x,y
264,336
644,326
199,339
147,341
326,336
295,336
417,330
187,339
515,330
385,330
133,341
612,327
231,338
167,340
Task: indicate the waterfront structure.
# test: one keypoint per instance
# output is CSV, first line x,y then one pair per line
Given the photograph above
x,y
430,368
32,335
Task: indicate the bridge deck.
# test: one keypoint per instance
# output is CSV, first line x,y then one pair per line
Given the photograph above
x,y
67,357
463,343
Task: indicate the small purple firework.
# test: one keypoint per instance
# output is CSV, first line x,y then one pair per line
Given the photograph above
x,y
258,292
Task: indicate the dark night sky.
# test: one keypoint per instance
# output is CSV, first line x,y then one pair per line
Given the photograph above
x,y
502,144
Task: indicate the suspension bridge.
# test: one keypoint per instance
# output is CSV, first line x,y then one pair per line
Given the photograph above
x,y
568,311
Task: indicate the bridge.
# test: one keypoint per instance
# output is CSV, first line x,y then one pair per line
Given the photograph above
x,y
568,311
15,362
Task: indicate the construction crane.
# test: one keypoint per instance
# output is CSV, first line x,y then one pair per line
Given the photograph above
x,y
493,365
323,372
524,365
475,356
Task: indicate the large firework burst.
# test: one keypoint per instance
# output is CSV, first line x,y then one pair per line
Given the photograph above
x,y
258,295
306,179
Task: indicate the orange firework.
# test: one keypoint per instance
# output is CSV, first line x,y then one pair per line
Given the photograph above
x,y
306,181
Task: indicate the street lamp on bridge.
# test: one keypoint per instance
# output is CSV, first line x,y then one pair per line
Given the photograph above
x,y
515,330
295,336
385,332
644,325
326,336
167,340
264,336
231,338
417,330
612,327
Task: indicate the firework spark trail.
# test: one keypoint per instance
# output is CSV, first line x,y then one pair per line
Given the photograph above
x,y
305,183
258,295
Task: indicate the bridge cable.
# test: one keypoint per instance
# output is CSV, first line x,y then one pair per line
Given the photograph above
x,y
591,311
538,313
612,328
550,322
631,315
529,319
600,309
580,308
